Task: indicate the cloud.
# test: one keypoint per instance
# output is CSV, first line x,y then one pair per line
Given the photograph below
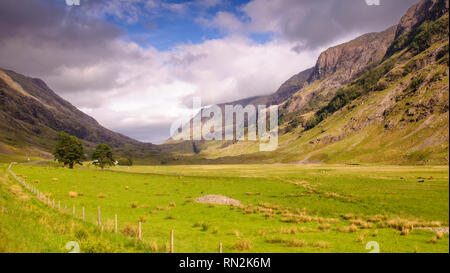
x,y
311,23
139,91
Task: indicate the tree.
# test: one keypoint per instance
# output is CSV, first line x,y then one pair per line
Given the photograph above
x,y
68,150
123,161
103,156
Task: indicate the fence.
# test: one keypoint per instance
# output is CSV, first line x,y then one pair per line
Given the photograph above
x,y
52,203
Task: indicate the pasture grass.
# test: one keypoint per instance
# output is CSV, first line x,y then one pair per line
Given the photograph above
x,y
286,208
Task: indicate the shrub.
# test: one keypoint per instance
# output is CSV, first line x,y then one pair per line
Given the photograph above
x,y
416,82
205,226
81,234
95,247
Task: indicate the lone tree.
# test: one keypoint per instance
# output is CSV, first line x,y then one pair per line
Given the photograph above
x,y
69,150
102,156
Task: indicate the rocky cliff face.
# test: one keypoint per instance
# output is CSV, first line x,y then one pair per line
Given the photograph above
x,y
391,108
338,65
418,13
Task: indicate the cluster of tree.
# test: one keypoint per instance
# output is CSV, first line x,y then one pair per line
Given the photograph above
x,y
69,151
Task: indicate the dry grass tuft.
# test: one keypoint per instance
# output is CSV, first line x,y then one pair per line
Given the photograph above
x,y
134,205
320,244
154,247
433,240
350,229
101,196
297,243
348,216
17,191
400,224
172,204
405,231
243,244
361,238
235,233
73,194
253,193
324,227
130,230
54,179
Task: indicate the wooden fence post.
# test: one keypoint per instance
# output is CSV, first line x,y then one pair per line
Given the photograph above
x,y
82,217
53,203
73,211
59,204
115,223
99,219
140,230
171,241
220,247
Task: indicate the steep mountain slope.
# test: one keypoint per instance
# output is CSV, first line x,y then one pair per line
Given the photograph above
x,y
29,107
389,108
31,114
314,87
337,66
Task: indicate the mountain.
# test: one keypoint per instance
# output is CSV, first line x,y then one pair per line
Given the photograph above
x,y
337,66
31,109
32,114
380,98
285,91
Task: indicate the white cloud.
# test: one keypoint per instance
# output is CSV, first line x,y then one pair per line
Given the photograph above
x,y
140,91
153,89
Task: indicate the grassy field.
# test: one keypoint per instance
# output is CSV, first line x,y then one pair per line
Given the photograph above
x,y
286,208
28,225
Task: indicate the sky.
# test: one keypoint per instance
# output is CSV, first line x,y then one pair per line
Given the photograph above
x,y
135,65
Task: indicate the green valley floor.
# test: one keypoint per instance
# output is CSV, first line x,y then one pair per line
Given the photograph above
x,y
279,208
